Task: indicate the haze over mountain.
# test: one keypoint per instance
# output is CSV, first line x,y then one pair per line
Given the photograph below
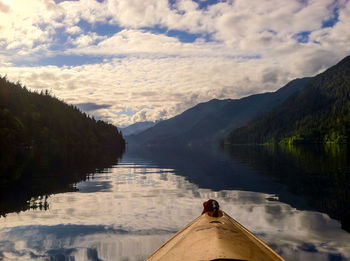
x,y
318,113
137,127
207,123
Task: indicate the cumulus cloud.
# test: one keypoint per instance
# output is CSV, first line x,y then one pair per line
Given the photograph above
x,y
137,89
147,114
74,30
158,58
142,42
88,10
86,40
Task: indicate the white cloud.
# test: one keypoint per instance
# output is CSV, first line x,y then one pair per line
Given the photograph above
x,y
338,36
270,22
86,39
254,47
74,30
153,88
143,42
4,7
136,14
25,19
87,10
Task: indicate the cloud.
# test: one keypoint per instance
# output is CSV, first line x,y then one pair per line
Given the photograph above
x,y
4,8
147,114
270,76
86,39
136,14
27,28
153,88
154,59
90,106
74,30
90,11
270,22
138,42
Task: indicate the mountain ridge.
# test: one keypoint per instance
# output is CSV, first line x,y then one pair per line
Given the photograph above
x,y
318,113
137,127
208,122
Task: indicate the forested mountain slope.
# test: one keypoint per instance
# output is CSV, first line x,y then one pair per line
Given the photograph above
x,y
42,129
206,123
318,113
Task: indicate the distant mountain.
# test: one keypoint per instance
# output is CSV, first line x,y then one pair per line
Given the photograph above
x,y
318,113
206,123
137,127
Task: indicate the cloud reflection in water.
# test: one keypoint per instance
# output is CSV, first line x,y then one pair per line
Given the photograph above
x,y
129,211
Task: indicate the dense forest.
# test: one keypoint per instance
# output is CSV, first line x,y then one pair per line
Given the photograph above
x,y
39,132
318,113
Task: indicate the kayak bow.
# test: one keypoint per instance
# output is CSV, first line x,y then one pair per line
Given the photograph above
x,y
214,238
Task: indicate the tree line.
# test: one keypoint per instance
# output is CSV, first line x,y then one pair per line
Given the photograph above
x,y
40,132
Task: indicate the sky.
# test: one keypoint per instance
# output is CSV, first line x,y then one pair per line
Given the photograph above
x,y
126,61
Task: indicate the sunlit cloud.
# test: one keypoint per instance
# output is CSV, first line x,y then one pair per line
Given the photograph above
x,y
150,60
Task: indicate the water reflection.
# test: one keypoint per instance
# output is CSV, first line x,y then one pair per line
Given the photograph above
x,y
129,210
320,174
36,181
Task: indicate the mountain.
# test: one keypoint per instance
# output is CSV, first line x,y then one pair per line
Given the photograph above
x,y
137,127
206,123
318,113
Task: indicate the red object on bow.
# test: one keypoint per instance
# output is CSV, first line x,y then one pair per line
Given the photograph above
x,y
211,206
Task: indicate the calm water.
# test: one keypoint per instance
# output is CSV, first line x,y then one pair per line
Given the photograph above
x,y
129,210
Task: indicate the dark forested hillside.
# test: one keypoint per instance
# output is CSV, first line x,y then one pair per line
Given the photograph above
x,y
39,131
318,113
207,123
172,131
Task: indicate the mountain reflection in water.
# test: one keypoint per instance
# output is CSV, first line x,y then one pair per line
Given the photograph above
x,y
129,210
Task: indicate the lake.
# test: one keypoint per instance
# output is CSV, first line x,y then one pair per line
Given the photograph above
x,y
127,211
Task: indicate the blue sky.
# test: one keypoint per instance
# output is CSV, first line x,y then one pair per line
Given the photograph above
x,y
126,61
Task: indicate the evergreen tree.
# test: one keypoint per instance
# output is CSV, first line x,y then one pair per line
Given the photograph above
x,y
37,129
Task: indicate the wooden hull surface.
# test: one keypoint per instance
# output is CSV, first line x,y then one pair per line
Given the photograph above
x,y
214,238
